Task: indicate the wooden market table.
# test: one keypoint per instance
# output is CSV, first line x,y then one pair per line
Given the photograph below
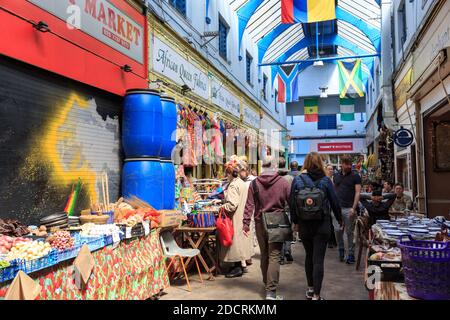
x,y
134,270
200,238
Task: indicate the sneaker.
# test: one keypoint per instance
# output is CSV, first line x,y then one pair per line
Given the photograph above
x,y
341,255
320,298
234,273
293,242
289,258
350,259
309,294
270,295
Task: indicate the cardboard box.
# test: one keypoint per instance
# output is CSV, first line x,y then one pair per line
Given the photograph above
x,y
171,218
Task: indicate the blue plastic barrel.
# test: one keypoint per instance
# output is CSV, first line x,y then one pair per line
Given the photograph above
x,y
169,126
168,173
142,125
143,178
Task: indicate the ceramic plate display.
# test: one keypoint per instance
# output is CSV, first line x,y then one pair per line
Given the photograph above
x,y
418,230
395,233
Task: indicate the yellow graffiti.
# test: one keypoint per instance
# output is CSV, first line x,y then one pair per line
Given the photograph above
x,y
59,149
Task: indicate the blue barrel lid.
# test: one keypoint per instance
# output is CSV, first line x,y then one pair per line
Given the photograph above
x,y
144,90
142,159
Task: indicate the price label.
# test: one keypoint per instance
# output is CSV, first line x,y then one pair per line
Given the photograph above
x,y
128,232
146,227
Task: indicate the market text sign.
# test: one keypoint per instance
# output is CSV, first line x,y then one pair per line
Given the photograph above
x,y
251,117
170,64
224,99
103,21
335,146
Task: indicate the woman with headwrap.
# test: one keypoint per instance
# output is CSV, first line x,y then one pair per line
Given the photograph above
x,y
234,205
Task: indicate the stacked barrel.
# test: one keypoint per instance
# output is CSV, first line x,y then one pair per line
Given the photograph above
x,y
148,138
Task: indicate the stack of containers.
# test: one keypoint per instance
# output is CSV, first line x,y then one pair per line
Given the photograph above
x,y
147,119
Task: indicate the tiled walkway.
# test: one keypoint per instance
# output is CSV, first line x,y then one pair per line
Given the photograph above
x,y
341,282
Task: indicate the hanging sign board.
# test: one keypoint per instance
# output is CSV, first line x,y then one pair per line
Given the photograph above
x,y
223,98
169,63
251,117
103,21
403,137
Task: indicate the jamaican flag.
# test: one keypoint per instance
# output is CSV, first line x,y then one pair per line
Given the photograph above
x,y
350,79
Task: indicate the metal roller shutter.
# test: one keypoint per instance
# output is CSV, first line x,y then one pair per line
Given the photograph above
x,y
54,131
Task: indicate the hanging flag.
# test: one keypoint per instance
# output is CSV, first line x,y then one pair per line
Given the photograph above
x,y
350,79
311,110
294,95
306,11
347,109
281,90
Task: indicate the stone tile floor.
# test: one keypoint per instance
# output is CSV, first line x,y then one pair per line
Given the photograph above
x,y
341,282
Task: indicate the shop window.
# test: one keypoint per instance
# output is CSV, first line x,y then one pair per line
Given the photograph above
x,y
264,87
248,68
179,5
401,15
223,35
327,122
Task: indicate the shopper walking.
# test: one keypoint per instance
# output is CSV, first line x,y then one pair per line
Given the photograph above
x,y
312,198
294,172
348,188
234,205
329,171
268,194
387,187
286,253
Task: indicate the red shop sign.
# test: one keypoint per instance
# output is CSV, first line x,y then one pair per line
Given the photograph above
x,y
335,146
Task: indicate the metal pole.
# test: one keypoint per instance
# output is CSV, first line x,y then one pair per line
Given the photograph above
x,y
317,40
320,59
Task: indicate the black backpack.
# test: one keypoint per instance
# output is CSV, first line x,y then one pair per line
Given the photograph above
x,y
311,201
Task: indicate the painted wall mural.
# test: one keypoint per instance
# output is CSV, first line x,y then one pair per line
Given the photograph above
x,y
53,133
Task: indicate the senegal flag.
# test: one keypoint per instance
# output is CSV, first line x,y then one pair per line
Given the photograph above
x,y
306,11
311,110
347,109
350,79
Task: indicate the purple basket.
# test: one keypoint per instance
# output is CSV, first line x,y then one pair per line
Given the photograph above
x,y
426,266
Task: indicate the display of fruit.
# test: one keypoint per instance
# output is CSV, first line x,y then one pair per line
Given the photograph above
x,y
6,243
61,240
29,250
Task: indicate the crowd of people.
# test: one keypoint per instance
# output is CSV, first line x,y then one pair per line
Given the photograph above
x,y
315,205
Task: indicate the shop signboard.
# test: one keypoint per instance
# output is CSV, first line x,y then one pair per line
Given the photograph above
x,y
403,137
251,117
337,146
172,65
223,98
101,20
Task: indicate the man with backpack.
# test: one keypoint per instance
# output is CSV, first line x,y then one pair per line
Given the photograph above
x,y
267,199
348,189
286,254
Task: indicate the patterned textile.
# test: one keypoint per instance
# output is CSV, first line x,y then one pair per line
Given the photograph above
x,y
133,271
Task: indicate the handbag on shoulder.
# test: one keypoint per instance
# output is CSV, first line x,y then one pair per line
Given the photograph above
x,y
276,224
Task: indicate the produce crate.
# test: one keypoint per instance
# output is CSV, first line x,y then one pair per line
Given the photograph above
x,y
10,272
38,264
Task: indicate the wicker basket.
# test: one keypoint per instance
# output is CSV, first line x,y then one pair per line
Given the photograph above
x,y
426,266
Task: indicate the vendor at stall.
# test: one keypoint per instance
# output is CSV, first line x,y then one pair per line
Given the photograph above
x,y
376,207
403,202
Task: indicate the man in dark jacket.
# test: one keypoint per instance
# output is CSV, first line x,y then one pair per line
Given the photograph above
x,y
273,196
377,208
